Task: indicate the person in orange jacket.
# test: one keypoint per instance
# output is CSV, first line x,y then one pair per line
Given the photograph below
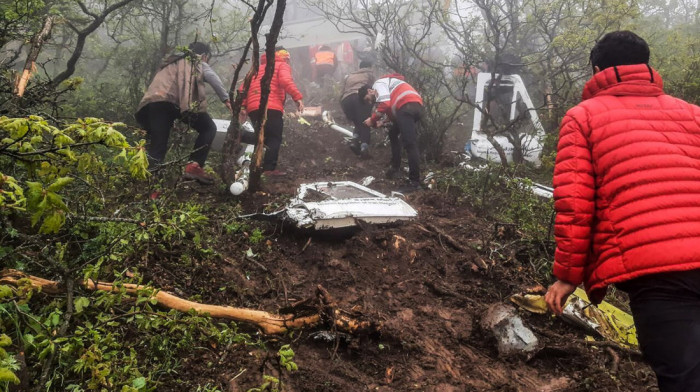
x,y
325,63
281,84
627,197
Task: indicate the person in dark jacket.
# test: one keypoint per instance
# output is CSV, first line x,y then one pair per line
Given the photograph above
x,y
357,110
627,197
177,92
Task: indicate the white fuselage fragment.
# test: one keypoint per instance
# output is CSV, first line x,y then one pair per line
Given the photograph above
x,y
332,205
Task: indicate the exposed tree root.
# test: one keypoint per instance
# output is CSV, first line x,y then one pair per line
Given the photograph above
x,y
270,323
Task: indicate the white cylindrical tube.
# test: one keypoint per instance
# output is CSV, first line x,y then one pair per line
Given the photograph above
x,y
342,130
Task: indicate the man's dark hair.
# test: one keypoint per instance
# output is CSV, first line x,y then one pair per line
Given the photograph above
x,y
362,92
200,48
619,48
365,64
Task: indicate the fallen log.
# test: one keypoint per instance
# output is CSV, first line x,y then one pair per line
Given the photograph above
x,y
270,323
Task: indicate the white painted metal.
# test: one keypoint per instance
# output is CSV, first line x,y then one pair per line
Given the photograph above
x,y
333,205
328,119
481,147
221,130
241,183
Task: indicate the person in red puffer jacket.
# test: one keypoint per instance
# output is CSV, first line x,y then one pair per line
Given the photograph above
x,y
627,197
282,84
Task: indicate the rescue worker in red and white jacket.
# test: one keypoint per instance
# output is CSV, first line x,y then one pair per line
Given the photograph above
x,y
627,197
281,84
404,106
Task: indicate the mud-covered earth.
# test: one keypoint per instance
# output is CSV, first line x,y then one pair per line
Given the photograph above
x,y
426,282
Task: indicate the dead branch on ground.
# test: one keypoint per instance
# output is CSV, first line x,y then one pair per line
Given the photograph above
x,y
270,323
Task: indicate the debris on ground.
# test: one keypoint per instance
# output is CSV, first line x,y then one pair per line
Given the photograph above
x,y
332,205
513,337
604,320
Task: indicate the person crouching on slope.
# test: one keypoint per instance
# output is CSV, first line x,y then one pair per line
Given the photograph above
x,y
404,106
177,92
358,110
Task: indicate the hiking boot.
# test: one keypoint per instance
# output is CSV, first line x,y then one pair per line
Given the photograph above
x,y
355,147
391,173
274,173
364,151
411,186
195,172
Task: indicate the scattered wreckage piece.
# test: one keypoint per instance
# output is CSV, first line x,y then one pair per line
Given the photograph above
x,y
480,145
604,320
335,205
513,337
328,119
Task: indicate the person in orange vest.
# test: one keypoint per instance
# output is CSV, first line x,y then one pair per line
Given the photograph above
x,y
404,106
325,63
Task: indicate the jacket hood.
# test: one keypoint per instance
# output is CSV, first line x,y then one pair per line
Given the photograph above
x,y
636,79
280,55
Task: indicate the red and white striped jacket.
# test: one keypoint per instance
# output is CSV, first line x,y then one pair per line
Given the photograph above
x,y
393,94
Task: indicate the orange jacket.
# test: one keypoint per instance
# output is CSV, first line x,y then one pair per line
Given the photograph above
x,y
626,182
325,57
282,84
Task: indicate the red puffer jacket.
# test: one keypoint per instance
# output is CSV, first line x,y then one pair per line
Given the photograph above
x,y
627,182
281,84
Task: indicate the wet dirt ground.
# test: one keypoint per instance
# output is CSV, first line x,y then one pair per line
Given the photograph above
x,y
428,294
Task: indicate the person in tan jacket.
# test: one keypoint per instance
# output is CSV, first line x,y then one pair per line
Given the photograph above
x,y
177,92
357,110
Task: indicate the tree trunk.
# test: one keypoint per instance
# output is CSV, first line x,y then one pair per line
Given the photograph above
x,y
30,65
271,41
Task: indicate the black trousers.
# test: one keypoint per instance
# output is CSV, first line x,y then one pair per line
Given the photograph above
x,y
666,310
157,119
273,136
357,111
406,126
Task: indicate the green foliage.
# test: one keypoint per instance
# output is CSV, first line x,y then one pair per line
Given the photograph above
x,y
8,364
256,236
49,159
125,351
498,196
286,355
269,384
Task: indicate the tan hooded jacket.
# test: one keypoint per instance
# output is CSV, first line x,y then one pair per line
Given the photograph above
x,y
357,79
179,82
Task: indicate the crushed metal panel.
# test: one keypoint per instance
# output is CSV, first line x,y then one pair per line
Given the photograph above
x,y
222,128
329,205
